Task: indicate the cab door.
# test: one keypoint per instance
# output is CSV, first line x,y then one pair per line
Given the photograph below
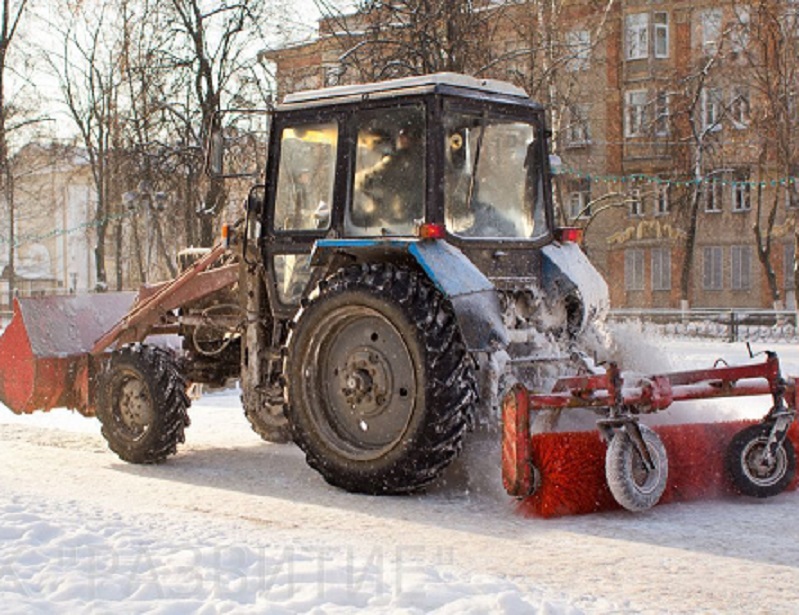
x,y
302,188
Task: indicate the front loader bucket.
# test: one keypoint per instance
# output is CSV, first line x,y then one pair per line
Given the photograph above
x,y
47,343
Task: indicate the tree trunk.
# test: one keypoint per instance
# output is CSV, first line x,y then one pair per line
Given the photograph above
x,y
690,246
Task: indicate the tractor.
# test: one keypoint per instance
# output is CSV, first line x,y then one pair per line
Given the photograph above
x,y
399,262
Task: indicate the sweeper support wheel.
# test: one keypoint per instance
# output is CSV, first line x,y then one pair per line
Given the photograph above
x,y
752,472
637,483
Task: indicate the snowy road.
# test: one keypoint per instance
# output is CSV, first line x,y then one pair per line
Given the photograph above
x,y
235,525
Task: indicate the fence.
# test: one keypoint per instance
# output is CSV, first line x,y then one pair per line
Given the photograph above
x,y
733,325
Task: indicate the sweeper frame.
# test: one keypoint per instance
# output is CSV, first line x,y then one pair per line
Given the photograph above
x,y
760,459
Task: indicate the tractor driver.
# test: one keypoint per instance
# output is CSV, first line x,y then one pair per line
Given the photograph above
x,y
394,185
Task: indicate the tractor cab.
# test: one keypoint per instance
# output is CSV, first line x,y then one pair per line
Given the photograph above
x,y
440,156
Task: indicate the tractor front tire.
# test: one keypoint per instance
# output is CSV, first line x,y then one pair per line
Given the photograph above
x,y
749,473
142,404
380,386
267,420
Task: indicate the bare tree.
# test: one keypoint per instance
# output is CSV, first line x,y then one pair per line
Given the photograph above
x,y
383,40
89,75
772,60
213,57
12,13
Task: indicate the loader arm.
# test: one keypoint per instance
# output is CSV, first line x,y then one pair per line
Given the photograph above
x,y
151,308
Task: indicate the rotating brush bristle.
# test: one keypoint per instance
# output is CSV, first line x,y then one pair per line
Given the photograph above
x,y
571,468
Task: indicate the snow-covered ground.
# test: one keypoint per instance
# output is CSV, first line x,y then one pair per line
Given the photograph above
x,y
232,524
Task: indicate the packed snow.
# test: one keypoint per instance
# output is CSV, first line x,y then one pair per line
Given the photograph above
x,y
233,524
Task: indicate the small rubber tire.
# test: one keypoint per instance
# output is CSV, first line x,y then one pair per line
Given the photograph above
x,y
750,478
267,420
380,386
142,404
632,485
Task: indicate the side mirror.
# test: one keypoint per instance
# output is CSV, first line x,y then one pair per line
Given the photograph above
x,y
237,143
216,154
555,164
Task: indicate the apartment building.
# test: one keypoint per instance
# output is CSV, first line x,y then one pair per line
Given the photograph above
x,y
675,122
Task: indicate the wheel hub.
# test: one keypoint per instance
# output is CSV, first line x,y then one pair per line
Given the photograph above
x,y
367,382
758,466
135,409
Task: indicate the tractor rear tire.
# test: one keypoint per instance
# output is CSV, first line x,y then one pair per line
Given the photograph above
x,y
749,475
634,486
142,404
380,386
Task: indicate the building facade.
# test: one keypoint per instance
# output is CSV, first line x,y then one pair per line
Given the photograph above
x,y
53,236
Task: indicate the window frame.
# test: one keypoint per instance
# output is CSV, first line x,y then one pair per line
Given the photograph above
x,y
578,42
741,197
712,103
740,107
713,195
710,31
578,130
636,36
713,268
636,209
660,32
741,267
661,268
635,115
662,114
634,274
663,199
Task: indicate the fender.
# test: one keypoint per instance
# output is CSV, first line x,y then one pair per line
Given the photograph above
x,y
566,272
472,296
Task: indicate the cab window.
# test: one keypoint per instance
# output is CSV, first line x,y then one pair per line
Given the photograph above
x,y
389,186
306,176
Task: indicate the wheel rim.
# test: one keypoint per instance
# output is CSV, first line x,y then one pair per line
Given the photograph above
x,y
361,382
756,470
132,406
646,481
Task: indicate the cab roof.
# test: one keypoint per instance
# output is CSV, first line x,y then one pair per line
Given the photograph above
x,y
438,83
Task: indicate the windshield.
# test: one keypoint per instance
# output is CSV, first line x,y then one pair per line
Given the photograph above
x,y
493,182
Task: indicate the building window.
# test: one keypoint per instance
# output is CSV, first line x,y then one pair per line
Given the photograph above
x,y
637,36
633,269
662,114
741,267
739,36
635,113
579,200
713,193
712,274
711,109
662,199
741,192
792,193
661,269
790,21
332,74
661,35
578,43
636,204
577,131
739,107
710,23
